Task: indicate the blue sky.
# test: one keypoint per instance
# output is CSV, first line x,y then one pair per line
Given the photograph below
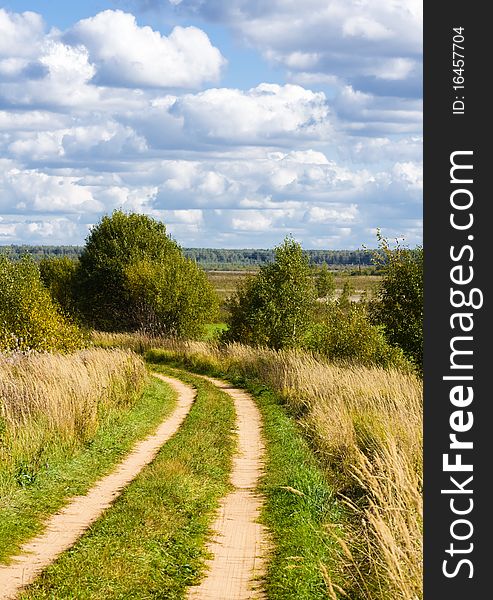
x,y
235,122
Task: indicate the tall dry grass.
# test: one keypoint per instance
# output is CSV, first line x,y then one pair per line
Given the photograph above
x,y
365,425
53,399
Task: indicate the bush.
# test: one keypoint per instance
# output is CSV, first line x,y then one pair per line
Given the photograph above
x,y
59,276
275,307
347,334
29,319
325,283
172,298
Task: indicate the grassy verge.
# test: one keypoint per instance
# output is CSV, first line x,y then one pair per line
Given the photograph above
x,y
300,507
33,492
150,543
299,510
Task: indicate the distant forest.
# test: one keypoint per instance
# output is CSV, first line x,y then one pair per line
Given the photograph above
x,y
214,258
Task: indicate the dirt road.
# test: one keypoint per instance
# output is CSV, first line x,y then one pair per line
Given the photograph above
x,y
64,528
240,543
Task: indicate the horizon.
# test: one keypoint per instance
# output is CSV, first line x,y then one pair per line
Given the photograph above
x,y
235,124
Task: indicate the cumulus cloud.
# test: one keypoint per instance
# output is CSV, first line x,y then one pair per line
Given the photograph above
x,y
128,55
78,68
91,121
269,113
362,41
62,79
20,34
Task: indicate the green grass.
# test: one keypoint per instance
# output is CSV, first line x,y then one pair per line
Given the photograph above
x,y
300,506
150,543
213,331
26,502
301,511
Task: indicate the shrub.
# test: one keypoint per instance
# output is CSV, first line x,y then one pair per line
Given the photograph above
x,y
346,334
172,298
29,319
59,276
325,283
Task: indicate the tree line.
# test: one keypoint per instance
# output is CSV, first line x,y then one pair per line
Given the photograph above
x,y
212,258
132,276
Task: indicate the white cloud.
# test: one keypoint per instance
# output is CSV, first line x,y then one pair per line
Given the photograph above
x,y
129,55
337,214
267,113
87,126
19,33
344,38
394,69
251,221
34,191
365,27
409,173
64,81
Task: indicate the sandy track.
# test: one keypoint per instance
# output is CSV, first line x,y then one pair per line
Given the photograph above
x,y
240,543
64,528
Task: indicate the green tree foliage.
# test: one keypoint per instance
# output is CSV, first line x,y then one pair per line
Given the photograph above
x,y
325,283
170,297
398,306
29,319
346,333
133,276
274,307
116,242
59,276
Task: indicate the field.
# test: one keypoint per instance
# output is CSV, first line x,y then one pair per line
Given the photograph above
x,y
225,283
142,453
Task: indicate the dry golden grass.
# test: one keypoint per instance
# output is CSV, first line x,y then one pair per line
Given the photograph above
x,y
365,425
58,397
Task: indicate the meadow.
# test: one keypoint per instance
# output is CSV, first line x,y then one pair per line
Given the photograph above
x,y
365,427
332,358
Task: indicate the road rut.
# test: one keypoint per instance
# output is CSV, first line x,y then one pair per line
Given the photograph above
x,y
240,543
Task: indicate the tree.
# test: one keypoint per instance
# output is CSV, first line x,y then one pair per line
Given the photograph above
x,y
274,307
116,242
29,319
171,298
59,276
133,276
399,300
325,283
